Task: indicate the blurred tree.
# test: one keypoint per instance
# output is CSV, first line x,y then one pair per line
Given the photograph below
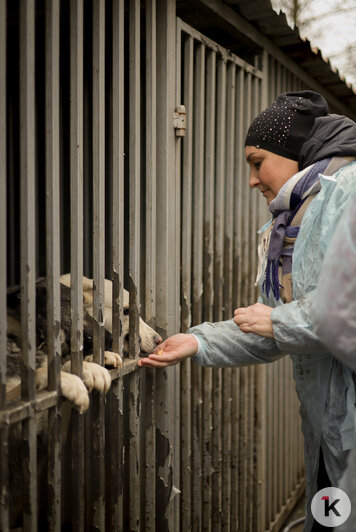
x,y
329,25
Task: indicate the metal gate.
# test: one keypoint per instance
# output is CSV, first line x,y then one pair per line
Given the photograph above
x,y
94,180
241,458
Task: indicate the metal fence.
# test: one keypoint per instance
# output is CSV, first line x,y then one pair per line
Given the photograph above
x,y
241,455
95,181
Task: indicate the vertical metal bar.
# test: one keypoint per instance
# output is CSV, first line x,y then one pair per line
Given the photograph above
x,y
98,70
227,294
209,165
242,177
53,259
239,176
197,265
115,451
229,190
115,493
247,251
280,439
150,270
98,177
219,190
187,184
244,500
135,157
76,261
134,261
226,448
27,254
198,182
151,97
4,470
235,423
216,509
275,440
167,263
186,421
208,280
218,287
251,449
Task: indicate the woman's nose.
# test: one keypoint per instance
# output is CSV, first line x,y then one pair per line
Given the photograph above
x,y
254,181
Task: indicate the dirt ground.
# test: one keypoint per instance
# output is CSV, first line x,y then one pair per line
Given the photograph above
x,y
298,512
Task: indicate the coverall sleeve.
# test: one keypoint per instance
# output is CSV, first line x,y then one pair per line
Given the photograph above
x,y
293,327
223,344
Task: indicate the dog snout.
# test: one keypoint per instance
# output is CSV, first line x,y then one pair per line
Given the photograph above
x,y
157,339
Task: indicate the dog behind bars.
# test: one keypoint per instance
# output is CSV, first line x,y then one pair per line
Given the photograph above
x,y
74,389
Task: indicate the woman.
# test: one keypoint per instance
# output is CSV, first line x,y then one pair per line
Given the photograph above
x,y
301,160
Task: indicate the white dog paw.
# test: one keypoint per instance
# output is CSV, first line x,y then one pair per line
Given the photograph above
x,y
97,377
113,359
41,379
110,359
73,389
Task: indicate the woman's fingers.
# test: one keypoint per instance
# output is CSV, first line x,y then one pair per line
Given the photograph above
x,y
255,319
159,360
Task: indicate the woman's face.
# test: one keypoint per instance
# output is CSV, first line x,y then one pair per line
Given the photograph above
x,y
268,171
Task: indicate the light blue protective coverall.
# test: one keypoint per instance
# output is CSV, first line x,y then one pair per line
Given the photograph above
x,y
335,321
324,385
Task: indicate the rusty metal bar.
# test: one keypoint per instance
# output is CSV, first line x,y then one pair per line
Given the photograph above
x,y
197,269
243,449
227,293
151,103
27,254
251,493
226,448
114,426
53,260
229,190
219,190
167,303
134,261
76,239
187,169
98,110
150,252
198,181
242,176
208,280
98,178
134,163
209,182
4,450
115,452
235,415
186,257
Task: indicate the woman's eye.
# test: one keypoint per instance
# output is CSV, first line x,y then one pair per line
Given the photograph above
x,y
257,165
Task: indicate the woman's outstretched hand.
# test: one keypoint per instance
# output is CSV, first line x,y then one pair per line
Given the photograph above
x,y
255,319
173,350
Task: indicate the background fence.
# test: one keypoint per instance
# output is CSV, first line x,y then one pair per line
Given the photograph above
x,y
95,181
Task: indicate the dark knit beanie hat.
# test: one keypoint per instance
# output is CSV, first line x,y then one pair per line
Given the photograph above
x,y
283,127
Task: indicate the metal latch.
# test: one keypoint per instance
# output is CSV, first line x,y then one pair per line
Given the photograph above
x,y
179,122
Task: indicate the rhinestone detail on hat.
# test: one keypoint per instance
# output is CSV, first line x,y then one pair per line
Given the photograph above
x,y
273,125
